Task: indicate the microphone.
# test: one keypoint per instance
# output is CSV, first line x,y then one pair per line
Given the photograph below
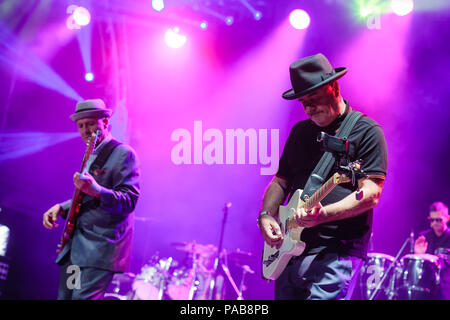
x,y
411,240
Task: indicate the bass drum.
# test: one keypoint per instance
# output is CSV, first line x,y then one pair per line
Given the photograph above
x,y
186,285
180,283
417,277
149,284
373,272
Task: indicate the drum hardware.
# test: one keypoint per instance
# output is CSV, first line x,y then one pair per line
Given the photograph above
x,y
444,256
194,283
165,276
413,277
216,290
212,286
245,269
161,279
151,283
120,287
394,262
191,283
233,284
372,271
418,277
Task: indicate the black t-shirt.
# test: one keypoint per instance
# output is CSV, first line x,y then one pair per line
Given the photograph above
x,y
435,242
301,154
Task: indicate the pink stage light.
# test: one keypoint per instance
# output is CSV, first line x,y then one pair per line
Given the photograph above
x,y
158,5
299,19
89,76
174,39
402,7
81,16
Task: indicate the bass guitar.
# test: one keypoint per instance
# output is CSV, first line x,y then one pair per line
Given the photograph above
x,y
77,196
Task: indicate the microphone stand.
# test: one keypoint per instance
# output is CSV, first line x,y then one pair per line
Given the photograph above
x,y
388,270
212,285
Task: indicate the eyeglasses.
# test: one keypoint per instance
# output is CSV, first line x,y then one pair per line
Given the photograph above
x,y
435,220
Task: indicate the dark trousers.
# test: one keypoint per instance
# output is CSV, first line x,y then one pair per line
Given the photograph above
x,y
327,278
81,283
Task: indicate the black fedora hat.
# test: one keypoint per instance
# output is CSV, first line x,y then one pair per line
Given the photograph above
x,y
94,108
309,74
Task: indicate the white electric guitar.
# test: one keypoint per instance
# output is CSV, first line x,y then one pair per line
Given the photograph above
x,y
275,260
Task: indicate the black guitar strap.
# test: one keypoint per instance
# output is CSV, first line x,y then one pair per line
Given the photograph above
x,y
318,176
104,155
323,167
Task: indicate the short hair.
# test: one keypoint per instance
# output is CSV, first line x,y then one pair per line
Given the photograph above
x,y
439,206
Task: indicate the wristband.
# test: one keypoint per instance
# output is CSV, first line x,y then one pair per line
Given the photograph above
x,y
262,214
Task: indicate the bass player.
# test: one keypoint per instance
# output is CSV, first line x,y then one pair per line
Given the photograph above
x,y
101,241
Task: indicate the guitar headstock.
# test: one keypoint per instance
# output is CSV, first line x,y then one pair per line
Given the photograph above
x,y
349,173
92,140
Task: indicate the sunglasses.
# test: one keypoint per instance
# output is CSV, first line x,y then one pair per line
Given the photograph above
x,y
435,220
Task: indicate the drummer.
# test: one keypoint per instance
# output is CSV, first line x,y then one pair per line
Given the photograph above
x,y
437,239
438,235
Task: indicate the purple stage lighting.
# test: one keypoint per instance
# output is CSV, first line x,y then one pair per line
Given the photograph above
x,y
158,5
229,20
174,39
81,16
89,76
402,7
299,19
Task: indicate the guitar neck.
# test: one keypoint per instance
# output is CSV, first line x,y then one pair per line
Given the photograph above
x,y
322,192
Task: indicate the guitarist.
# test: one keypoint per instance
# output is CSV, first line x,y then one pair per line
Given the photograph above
x,y
101,243
337,230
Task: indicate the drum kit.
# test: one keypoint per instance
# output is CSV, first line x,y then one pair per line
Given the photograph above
x,y
413,277
195,278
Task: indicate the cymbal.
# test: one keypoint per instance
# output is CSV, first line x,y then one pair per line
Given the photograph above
x,y
193,247
239,255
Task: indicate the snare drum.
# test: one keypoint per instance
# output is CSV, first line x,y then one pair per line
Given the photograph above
x,y
373,272
417,277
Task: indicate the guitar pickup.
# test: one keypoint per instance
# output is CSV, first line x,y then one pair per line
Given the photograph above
x,y
271,258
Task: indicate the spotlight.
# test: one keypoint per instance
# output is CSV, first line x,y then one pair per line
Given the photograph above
x,y
89,76
229,20
299,19
204,25
402,7
174,39
81,16
257,15
158,5
365,12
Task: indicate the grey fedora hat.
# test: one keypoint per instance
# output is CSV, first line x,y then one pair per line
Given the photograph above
x,y
309,74
93,108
